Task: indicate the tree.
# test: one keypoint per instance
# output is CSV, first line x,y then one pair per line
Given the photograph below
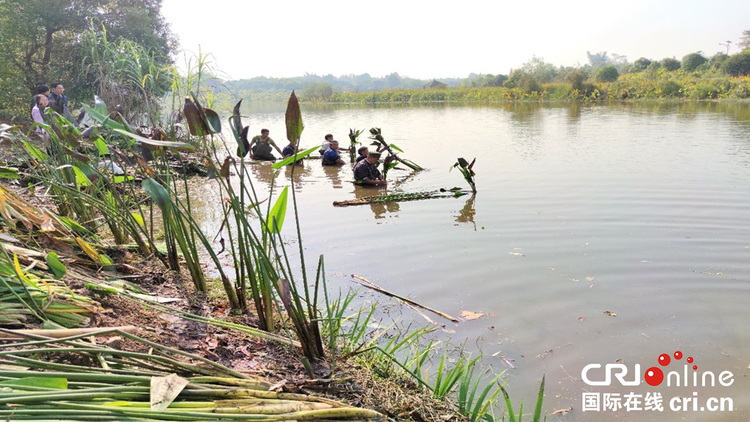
x,y
41,39
670,64
540,70
737,65
598,60
607,74
692,61
745,40
640,65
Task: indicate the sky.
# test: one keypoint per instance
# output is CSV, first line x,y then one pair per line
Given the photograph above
x,y
443,39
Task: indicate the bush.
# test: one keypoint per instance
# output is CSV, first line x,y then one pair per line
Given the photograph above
x,y
640,65
607,74
670,89
670,64
737,65
576,78
692,61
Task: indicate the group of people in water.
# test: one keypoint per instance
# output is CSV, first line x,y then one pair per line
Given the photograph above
x,y
45,96
365,170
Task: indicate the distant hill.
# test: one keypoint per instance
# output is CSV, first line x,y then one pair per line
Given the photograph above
x,y
344,83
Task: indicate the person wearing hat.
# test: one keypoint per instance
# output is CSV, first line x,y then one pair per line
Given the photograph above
x,y
366,171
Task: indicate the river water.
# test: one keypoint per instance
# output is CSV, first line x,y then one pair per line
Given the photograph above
x,y
599,234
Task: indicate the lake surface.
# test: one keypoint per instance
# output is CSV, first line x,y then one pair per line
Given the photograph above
x,y
582,212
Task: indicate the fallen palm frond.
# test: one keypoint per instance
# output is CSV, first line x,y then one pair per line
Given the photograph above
x,y
401,197
165,384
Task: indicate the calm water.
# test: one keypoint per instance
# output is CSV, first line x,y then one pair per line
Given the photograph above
x,y
638,209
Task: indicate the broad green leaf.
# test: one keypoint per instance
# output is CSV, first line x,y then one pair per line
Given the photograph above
x,y
290,160
275,220
99,105
8,173
395,147
122,179
104,119
74,225
35,152
167,144
213,121
106,262
58,268
81,179
101,146
158,193
138,218
56,383
294,124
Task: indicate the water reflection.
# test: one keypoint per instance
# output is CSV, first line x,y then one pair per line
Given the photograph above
x,y
333,173
299,173
467,213
379,209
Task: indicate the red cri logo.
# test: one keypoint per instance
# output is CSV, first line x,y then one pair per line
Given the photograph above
x,y
654,375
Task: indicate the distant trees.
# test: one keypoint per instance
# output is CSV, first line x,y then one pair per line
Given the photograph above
x,y
576,78
670,64
738,64
692,61
606,74
317,91
745,40
640,65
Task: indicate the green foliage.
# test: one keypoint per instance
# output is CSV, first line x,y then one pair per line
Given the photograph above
x,y
43,42
737,65
670,64
692,61
317,91
640,65
524,81
606,74
576,78
744,43
539,70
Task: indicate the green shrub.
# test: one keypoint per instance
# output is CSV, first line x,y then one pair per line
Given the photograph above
x,y
737,65
692,61
640,65
670,88
670,64
606,74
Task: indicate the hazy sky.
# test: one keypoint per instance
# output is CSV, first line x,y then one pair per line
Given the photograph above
x,y
435,39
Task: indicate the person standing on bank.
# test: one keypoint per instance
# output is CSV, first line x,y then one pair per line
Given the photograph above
x,y
366,171
57,100
40,102
331,156
260,147
40,89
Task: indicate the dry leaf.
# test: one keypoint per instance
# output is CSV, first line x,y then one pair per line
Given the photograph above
x,y
619,361
580,318
610,313
563,411
47,225
516,254
552,268
589,278
470,316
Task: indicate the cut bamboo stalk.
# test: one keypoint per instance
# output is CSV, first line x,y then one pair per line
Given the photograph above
x,y
62,333
370,285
